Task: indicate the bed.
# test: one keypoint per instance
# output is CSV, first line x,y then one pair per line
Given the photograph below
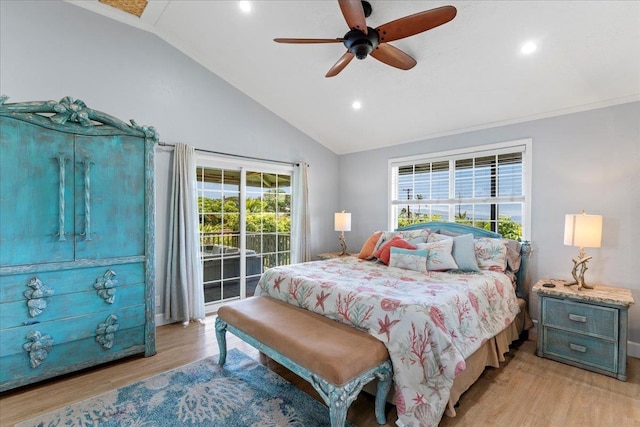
x,y
443,312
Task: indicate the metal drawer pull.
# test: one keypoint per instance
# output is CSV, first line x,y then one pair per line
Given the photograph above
x,y
576,347
577,318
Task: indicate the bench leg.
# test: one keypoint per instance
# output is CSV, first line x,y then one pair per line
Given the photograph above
x,y
384,385
338,413
221,331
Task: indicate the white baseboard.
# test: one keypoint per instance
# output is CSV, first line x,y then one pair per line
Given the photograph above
x,y
160,320
633,348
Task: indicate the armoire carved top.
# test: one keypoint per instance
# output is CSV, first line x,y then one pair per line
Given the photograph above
x,y
71,115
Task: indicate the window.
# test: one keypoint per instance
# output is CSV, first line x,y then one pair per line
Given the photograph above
x,y
245,217
486,187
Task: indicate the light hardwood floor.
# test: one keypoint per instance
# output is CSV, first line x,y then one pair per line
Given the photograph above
x,y
525,391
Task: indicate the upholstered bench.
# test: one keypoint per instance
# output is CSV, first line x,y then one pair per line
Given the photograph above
x,y
336,359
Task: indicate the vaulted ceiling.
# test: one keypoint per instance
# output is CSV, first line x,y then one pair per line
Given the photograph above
x,y
470,72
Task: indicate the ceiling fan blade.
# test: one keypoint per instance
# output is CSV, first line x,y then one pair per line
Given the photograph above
x,y
302,41
416,23
393,56
339,66
354,14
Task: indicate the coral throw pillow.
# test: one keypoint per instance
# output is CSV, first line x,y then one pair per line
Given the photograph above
x,y
367,249
384,253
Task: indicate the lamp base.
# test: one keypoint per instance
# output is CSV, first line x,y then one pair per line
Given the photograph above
x,y
343,245
584,285
579,268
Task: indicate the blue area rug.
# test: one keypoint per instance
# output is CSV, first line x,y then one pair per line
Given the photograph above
x,y
242,393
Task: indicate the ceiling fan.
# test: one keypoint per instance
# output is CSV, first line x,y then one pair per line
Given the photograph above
x,y
362,41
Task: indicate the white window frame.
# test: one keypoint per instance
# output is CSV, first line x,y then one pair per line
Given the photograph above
x,y
523,145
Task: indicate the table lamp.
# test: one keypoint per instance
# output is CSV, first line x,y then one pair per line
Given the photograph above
x,y
342,223
582,230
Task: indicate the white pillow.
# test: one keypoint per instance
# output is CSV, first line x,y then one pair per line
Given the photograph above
x,y
439,256
416,236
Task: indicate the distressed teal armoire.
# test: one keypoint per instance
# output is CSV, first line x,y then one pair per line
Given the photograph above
x,y
76,239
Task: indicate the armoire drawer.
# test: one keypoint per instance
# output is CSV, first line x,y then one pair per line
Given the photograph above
x,y
50,348
580,317
68,357
67,281
17,313
591,351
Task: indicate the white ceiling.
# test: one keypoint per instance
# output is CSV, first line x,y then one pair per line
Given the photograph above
x,y
470,72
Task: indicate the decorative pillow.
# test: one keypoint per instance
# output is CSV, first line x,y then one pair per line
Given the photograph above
x,y
384,253
415,260
385,237
416,236
449,233
491,254
437,237
367,249
464,253
439,257
513,255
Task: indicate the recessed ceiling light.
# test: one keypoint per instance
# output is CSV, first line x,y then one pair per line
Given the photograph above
x,y
356,105
528,48
245,6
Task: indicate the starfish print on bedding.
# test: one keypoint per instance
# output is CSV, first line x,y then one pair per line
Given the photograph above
x,y
320,299
385,327
277,281
419,399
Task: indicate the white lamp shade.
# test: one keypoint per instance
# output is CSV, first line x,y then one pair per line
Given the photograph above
x,y
583,230
342,221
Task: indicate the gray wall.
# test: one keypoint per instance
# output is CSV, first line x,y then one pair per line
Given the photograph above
x,y
52,49
588,160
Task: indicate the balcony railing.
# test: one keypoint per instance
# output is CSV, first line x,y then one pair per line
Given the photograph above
x,y
221,261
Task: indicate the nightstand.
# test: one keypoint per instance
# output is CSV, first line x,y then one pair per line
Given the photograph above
x,y
331,255
585,328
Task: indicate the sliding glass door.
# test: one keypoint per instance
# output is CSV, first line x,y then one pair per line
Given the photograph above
x,y
245,218
268,222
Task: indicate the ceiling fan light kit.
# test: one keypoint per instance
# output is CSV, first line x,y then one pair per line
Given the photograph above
x,y
362,41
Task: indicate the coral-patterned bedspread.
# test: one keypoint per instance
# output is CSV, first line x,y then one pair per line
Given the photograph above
x,y
430,322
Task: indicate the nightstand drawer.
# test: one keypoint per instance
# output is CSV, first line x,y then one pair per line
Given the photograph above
x,y
581,348
579,317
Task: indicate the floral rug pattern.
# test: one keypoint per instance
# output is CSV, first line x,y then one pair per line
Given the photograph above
x,y
242,393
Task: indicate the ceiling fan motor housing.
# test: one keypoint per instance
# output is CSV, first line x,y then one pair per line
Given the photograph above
x,y
361,44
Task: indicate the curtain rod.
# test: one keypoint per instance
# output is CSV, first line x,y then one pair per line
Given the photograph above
x,y
166,144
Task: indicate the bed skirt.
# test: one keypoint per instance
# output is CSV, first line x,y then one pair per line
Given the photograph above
x,y
490,354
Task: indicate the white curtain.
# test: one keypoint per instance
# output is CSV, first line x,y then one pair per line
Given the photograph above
x,y
184,293
300,222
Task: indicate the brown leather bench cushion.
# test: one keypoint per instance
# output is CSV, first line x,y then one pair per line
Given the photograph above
x,y
336,352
